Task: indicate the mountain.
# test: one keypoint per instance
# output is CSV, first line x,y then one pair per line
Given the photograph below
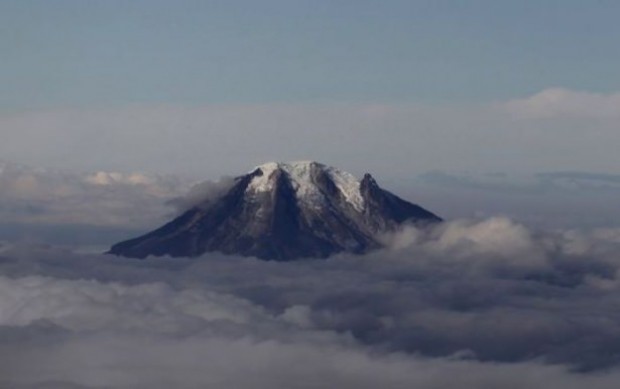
x,y
283,211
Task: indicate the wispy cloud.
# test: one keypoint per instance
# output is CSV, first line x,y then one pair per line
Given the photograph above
x,y
567,103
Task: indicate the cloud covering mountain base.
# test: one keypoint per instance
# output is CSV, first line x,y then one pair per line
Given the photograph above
x,y
469,304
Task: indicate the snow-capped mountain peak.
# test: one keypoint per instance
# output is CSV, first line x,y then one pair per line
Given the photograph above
x,y
283,211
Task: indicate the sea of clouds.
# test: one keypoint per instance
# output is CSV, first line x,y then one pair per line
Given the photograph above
x,y
468,304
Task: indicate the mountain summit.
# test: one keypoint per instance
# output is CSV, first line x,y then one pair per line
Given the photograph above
x,y
283,211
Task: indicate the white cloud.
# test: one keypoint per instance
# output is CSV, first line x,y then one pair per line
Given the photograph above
x,y
566,103
202,193
34,195
110,178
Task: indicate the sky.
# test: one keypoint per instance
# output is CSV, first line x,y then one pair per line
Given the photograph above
x,y
207,88
80,53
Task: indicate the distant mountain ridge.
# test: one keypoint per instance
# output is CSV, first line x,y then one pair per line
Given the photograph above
x,y
283,211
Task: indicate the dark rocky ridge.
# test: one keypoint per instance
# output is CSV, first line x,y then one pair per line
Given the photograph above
x,y
283,212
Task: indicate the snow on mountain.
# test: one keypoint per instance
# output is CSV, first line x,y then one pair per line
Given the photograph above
x,y
306,190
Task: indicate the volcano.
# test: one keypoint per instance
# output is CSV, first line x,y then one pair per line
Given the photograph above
x,y
284,211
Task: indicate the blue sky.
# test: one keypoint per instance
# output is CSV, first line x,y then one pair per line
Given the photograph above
x,y
91,53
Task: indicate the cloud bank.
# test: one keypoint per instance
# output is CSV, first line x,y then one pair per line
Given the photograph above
x,y
113,199
555,129
469,304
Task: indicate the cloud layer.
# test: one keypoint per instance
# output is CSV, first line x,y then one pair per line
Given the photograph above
x,y
44,196
470,304
555,129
